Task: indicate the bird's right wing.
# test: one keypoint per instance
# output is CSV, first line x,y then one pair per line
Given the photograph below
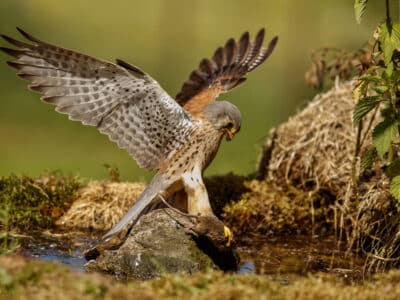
x,y
224,71
119,99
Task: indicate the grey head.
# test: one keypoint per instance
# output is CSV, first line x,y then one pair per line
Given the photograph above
x,y
224,116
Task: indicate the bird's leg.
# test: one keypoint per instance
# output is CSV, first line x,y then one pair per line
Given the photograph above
x,y
197,196
188,227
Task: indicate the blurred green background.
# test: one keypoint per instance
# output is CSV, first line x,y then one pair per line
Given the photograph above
x,y
167,39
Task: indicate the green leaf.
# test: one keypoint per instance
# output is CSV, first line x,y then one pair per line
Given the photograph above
x,y
368,159
383,135
372,78
363,107
389,70
381,89
359,9
393,169
395,187
389,38
396,76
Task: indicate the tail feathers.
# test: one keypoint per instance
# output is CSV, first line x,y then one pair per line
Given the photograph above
x,y
156,186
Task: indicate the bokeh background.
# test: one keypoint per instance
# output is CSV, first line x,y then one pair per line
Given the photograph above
x,y
167,39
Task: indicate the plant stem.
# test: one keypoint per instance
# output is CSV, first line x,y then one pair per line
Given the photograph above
x,y
354,174
368,130
387,11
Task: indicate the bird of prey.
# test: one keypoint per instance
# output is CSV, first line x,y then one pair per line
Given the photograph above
x,y
176,137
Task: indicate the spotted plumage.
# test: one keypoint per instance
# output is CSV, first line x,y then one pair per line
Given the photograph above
x,y
178,138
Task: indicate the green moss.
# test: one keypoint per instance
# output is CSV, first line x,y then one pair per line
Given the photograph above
x,y
268,208
34,203
57,282
223,189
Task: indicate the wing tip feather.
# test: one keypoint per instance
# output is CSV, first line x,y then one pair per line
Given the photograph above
x,y
13,64
9,51
27,35
233,60
261,32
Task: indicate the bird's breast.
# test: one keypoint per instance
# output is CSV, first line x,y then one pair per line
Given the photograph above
x,y
200,150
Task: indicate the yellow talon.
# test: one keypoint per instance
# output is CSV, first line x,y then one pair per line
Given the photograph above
x,y
228,235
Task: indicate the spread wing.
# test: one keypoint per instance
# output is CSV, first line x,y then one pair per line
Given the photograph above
x,y
224,71
119,99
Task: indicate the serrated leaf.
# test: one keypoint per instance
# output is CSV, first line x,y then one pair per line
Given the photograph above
x,y
372,78
359,9
395,187
389,70
383,135
393,169
389,38
363,107
368,159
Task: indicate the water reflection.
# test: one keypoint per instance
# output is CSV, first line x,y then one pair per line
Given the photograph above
x,y
292,256
283,258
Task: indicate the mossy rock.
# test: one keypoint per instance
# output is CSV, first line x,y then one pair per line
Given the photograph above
x,y
157,244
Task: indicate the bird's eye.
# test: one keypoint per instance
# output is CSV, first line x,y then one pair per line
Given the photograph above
x,y
229,125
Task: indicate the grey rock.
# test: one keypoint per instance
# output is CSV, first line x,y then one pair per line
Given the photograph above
x,y
157,244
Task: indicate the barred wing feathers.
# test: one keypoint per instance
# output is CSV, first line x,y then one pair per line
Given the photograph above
x,y
122,101
224,71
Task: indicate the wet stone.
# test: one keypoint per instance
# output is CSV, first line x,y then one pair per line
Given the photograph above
x,y
158,244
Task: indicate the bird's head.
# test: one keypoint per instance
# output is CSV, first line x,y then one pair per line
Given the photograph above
x,y
225,117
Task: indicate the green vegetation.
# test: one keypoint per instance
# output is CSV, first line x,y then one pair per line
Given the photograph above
x,y
33,203
38,280
267,208
7,243
378,90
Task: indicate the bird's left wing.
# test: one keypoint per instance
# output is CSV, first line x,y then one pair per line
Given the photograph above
x,y
119,99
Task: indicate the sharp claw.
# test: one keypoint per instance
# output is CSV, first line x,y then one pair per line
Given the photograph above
x,y
228,235
189,229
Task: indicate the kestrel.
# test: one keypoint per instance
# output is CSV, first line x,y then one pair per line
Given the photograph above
x,y
177,137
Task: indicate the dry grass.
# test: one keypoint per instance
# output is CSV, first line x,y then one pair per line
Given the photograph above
x,y
314,151
371,223
100,205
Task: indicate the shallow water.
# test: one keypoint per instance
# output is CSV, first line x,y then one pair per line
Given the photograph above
x,y
59,248
284,258
289,257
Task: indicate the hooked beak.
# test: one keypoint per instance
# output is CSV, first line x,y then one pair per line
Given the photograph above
x,y
229,134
